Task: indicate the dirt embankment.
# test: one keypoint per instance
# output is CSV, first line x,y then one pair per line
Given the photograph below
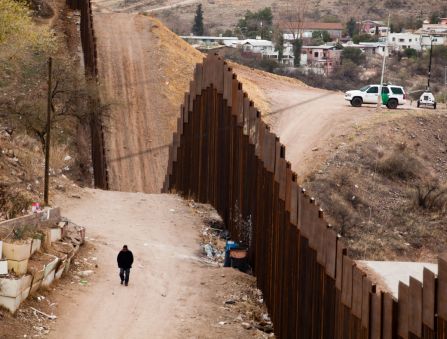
x,y
385,186
144,71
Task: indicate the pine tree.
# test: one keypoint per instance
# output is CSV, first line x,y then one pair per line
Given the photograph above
x,y
297,46
197,28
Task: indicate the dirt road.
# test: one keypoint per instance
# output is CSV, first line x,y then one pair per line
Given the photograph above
x,y
144,72
171,293
129,78
308,120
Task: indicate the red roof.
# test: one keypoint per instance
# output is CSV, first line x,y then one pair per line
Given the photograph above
x,y
310,25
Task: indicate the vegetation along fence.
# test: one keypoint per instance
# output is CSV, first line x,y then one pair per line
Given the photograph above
x,y
225,155
88,41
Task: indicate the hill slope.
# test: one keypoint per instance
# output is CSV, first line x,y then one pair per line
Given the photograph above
x,y
220,15
144,71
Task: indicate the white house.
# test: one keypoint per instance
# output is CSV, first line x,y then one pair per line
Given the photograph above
x,y
369,48
288,55
401,41
436,39
209,40
264,47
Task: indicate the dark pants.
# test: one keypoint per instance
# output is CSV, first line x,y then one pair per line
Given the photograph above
x,y
124,274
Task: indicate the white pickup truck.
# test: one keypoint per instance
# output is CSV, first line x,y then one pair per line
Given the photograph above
x,y
393,95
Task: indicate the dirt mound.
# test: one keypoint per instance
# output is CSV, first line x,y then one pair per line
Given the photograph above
x,y
385,187
144,71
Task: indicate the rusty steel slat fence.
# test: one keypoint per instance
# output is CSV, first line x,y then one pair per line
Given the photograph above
x,y
88,42
225,155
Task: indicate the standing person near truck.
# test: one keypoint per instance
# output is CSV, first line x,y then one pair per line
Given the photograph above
x,y
125,261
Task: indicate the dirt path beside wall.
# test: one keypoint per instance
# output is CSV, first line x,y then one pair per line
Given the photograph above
x,y
171,293
308,120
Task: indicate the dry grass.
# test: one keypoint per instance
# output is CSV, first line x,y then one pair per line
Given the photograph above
x,y
13,202
400,164
431,196
386,191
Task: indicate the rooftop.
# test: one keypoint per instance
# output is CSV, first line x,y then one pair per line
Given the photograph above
x,y
199,37
311,25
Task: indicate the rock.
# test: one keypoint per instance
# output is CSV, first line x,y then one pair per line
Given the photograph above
x,y
230,302
86,273
60,188
247,326
314,149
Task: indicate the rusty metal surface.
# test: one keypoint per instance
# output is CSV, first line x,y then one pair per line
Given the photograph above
x,y
225,155
88,42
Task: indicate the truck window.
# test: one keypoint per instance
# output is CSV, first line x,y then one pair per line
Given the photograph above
x,y
397,90
373,89
363,89
385,90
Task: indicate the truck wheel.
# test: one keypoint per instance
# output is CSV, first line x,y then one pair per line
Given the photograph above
x,y
357,102
434,106
392,104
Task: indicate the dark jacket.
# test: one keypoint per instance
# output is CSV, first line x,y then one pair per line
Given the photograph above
x,y
125,259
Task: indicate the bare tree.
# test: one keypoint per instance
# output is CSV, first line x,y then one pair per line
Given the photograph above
x,y
292,15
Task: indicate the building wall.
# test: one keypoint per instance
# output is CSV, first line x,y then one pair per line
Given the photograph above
x,y
400,41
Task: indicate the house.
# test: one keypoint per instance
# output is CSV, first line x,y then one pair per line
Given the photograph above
x,y
439,28
209,40
324,58
400,41
437,33
369,48
303,30
368,26
288,56
264,47
418,40
380,31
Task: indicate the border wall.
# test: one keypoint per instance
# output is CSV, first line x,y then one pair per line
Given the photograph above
x,y
225,155
88,41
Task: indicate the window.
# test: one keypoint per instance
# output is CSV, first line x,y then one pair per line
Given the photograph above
x,y
373,90
401,40
397,90
394,39
385,90
316,54
410,40
363,89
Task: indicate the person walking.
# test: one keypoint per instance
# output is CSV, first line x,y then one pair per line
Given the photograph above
x,y
125,261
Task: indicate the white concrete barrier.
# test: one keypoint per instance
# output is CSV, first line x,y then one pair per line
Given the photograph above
x,y
17,250
35,246
49,278
18,267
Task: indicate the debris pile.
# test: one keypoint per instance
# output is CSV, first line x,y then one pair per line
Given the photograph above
x,y
252,314
213,235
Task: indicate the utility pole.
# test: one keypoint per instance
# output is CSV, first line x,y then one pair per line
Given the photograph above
x,y
48,138
429,65
379,97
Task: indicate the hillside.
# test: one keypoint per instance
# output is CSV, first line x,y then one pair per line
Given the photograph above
x,y
384,186
221,14
156,68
